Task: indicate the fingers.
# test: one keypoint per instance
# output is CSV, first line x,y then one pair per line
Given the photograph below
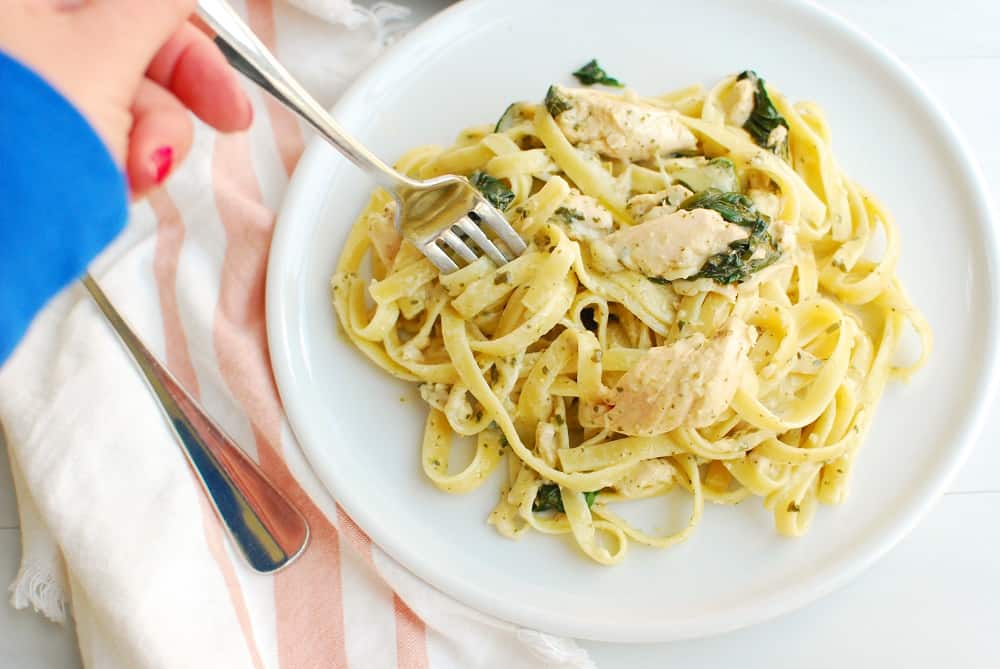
x,y
161,135
195,71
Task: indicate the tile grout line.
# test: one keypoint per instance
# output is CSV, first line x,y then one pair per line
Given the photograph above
x,y
973,492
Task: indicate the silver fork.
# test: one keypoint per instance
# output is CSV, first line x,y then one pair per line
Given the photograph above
x,y
262,523
439,216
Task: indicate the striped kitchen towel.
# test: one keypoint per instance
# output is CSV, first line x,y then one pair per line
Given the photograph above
x,y
115,526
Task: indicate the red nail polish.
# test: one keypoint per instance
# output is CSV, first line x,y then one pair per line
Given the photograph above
x,y
162,159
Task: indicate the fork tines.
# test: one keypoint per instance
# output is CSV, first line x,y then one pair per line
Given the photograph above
x,y
470,228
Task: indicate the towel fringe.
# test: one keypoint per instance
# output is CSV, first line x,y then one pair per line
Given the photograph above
x,y
561,652
390,21
41,590
352,16
334,11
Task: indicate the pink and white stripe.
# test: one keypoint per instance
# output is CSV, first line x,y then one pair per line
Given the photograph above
x,y
308,602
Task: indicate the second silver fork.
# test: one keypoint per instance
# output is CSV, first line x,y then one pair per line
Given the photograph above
x,y
266,528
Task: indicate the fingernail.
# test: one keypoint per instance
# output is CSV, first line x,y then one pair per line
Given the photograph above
x,y
162,160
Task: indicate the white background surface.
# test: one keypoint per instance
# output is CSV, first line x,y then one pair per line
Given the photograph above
x,y
935,599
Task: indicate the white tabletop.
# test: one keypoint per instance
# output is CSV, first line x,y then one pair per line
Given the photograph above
x,y
932,601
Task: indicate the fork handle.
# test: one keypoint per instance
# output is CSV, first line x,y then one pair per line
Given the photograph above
x,y
247,54
266,528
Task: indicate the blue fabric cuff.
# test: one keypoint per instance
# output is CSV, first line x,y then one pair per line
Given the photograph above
x,y
62,197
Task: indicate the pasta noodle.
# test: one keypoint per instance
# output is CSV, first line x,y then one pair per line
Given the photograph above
x,y
649,339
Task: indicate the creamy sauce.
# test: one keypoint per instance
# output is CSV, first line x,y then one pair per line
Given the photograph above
x,y
645,477
435,394
545,443
766,202
689,383
383,233
777,137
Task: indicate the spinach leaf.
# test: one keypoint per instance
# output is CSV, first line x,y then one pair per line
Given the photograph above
x,y
738,262
549,498
568,215
734,207
493,189
764,118
592,73
556,102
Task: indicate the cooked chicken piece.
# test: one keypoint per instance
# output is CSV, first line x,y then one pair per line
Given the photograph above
x,y
689,383
653,205
584,217
673,246
615,128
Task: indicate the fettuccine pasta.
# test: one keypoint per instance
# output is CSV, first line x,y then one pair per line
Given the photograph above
x,y
708,303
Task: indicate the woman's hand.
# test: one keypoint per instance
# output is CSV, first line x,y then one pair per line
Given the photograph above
x,y
133,68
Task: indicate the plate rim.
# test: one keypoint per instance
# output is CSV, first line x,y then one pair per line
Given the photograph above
x,y
792,597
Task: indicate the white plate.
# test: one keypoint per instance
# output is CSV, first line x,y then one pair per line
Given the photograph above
x,y
462,68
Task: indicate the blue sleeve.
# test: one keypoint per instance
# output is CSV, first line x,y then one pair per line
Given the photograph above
x,y
62,197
